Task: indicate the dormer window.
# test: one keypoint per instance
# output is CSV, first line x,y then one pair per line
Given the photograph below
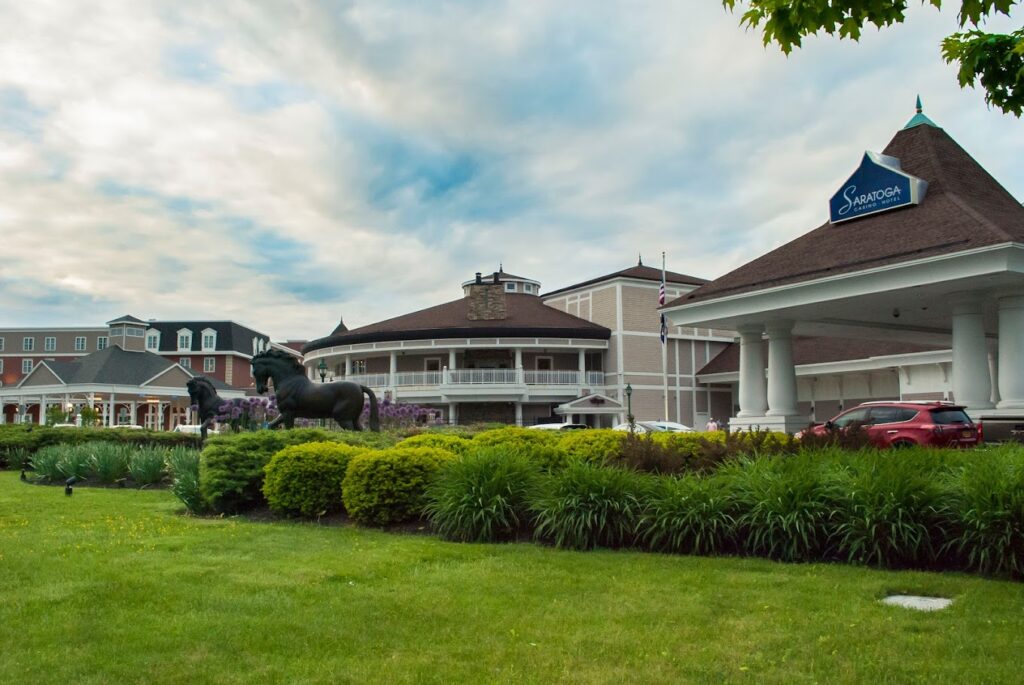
x,y
510,287
209,340
153,341
184,340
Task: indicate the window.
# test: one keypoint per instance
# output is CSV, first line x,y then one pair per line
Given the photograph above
x,y
209,340
79,343
358,366
891,415
1,344
527,287
101,342
1,365
184,339
510,287
544,363
49,344
186,362
209,364
944,416
26,366
153,342
28,344
432,364
855,416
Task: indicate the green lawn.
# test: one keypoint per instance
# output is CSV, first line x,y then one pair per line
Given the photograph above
x,y
113,586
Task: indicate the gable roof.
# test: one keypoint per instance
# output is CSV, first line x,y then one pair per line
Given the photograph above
x,y
964,209
231,336
526,316
640,272
820,350
127,318
114,366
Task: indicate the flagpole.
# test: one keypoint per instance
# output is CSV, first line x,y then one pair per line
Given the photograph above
x,y
664,345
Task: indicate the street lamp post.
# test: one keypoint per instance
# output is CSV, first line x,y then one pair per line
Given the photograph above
x,y
629,408
323,371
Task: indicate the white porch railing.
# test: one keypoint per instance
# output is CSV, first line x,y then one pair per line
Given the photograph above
x,y
476,377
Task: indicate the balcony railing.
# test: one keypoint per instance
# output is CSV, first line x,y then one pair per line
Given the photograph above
x,y
476,377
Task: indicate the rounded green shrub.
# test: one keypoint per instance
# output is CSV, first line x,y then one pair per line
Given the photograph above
x,y
305,480
515,437
481,497
456,444
601,446
587,506
389,486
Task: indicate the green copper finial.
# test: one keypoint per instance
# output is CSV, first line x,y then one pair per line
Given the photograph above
x,y
639,259
919,118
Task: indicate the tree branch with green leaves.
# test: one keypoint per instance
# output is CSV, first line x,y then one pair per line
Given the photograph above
x,y
995,61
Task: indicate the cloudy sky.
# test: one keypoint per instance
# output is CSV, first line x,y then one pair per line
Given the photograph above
x,y
283,164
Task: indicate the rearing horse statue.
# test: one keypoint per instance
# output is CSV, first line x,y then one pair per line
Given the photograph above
x,y
299,397
202,394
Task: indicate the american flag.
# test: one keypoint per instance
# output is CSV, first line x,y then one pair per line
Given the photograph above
x,y
661,294
661,302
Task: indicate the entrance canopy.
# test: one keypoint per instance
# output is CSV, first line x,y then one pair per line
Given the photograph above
x,y
946,269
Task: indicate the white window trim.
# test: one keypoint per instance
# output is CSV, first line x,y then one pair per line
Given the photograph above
x,y
1,344
209,364
1,365
510,287
358,362
84,343
185,362
102,342
432,359
155,336
28,362
184,333
208,332
28,344
49,343
551,363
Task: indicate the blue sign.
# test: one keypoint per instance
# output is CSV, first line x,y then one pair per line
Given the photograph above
x,y
877,185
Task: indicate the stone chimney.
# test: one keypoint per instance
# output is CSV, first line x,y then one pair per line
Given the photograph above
x,y
486,300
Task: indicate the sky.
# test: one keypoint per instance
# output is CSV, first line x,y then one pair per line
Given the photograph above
x,y
287,164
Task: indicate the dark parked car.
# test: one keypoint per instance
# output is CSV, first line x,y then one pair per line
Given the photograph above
x,y
902,424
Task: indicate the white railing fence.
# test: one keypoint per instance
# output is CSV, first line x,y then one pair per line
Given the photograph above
x,y
475,377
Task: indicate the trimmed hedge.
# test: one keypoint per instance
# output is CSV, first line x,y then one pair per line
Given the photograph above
x,y
515,437
389,486
456,444
306,480
601,446
31,438
231,466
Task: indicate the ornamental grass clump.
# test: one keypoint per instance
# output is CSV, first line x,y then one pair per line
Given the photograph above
x,y
895,511
482,497
988,502
108,462
182,466
45,462
587,506
785,506
389,486
75,461
306,480
689,515
17,458
146,465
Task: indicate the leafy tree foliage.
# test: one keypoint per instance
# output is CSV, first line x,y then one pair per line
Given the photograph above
x,y
996,61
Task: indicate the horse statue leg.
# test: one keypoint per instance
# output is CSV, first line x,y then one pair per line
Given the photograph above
x,y
277,420
374,415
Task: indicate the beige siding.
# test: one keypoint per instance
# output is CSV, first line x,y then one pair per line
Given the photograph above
x,y
42,376
639,309
173,378
642,354
602,308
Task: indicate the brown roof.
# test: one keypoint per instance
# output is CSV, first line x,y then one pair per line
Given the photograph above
x,y
640,271
815,350
526,316
963,209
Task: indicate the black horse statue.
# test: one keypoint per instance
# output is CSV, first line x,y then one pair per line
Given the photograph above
x,y
299,397
202,394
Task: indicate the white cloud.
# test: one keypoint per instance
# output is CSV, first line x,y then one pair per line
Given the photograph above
x,y
205,160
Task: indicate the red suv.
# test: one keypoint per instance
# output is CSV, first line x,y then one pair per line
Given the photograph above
x,y
902,424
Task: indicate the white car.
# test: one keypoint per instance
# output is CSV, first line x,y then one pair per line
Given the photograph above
x,y
558,426
193,429
656,427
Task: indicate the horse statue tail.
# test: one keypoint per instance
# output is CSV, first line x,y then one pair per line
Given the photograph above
x,y
374,415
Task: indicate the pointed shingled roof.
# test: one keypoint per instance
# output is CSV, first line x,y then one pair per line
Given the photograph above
x,y
964,209
640,272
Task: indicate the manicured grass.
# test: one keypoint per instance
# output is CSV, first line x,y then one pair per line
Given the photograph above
x,y
115,586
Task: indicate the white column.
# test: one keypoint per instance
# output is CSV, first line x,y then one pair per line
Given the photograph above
x,y
993,370
42,410
752,383
972,385
1011,352
583,366
453,413
348,365
519,413
392,370
519,357
782,398
135,411
112,415
451,359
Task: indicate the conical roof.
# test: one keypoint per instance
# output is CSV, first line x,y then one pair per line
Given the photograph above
x,y
963,209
